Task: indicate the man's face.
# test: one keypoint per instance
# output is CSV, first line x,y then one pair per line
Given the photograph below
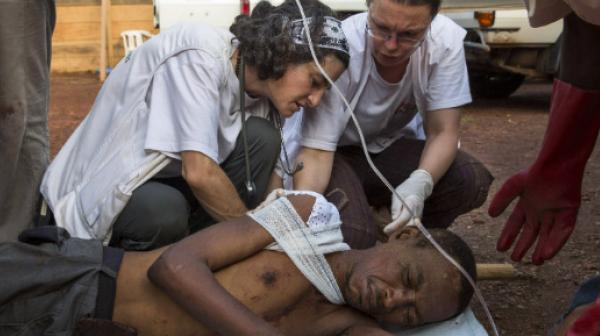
x,y
396,30
404,285
302,85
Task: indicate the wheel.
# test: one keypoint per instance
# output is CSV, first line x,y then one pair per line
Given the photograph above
x,y
495,85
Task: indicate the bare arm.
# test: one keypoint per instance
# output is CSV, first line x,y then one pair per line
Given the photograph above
x,y
442,128
317,169
185,272
211,186
364,329
275,182
363,325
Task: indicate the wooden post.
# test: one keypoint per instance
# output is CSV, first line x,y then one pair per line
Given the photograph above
x,y
111,49
496,271
103,24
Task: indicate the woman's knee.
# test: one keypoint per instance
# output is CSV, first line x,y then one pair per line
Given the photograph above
x,y
156,215
263,138
477,180
463,188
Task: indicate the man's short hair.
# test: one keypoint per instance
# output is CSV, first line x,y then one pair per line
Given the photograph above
x,y
461,253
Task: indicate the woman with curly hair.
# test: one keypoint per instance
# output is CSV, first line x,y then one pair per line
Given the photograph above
x,y
160,154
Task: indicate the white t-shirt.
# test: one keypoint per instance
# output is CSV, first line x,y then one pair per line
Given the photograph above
x,y
290,147
176,92
436,78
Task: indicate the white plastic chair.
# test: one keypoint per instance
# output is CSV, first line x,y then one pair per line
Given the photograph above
x,y
133,39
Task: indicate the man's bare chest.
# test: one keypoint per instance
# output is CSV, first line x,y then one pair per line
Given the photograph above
x,y
273,287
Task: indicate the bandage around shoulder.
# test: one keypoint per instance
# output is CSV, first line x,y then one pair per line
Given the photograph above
x,y
305,244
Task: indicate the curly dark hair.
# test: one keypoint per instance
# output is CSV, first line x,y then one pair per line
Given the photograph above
x,y
265,40
434,5
461,253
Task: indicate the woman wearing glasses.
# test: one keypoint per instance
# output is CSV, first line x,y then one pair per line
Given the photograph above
x,y
406,80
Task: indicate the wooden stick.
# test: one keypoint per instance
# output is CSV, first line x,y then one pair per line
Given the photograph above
x,y
496,271
103,19
111,49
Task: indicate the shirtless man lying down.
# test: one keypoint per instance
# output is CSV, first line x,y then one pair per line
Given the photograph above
x,y
223,280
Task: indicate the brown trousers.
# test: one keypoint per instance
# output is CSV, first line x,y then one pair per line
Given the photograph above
x,y
464,187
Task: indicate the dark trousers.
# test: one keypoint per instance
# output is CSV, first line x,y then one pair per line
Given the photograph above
x,y
163,211
25,49
464,187
580,53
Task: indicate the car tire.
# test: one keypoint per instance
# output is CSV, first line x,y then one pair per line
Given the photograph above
x,y
495,85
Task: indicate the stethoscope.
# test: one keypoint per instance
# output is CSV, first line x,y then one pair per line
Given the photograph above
x,y
251,191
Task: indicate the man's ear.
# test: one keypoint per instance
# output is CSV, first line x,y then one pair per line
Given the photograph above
x,y
406,232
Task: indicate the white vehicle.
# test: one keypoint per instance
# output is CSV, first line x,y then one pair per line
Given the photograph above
x,y
221,13
501,47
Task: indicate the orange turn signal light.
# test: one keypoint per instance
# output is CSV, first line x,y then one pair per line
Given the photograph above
x,y
485,19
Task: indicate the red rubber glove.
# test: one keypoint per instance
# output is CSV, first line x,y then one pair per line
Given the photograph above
x,y
549,191
587,324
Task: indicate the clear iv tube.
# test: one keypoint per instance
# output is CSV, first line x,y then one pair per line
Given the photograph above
x,y
386,182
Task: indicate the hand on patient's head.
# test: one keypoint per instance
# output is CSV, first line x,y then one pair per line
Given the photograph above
x,y
407,282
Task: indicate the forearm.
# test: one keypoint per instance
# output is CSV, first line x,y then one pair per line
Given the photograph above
x,y
442,128
438,154
219,198
212,188
361,330
192,285
276,182
572,128
185,272
316,172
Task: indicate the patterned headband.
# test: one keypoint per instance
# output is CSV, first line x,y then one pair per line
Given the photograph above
x,y
332,36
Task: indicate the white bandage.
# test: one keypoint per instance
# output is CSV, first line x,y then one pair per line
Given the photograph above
x,y
306,245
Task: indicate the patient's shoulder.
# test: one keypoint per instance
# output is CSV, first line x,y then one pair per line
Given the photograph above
x,y
314,315
347,321
303,203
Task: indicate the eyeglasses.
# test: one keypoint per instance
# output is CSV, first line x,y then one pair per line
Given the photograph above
x,y
409,39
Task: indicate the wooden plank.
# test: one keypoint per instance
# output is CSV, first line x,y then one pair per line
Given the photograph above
x,y
77,34
118,27
496,272
63,49
61,3
110,50
92,13
85,49
75,56
75,64
132,2
132,13
88,26
73,14
103,39
83,31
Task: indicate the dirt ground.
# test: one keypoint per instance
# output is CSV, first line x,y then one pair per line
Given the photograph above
x,y
505,135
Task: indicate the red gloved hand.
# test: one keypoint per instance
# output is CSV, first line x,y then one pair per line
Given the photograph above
x,y
550,190
587,324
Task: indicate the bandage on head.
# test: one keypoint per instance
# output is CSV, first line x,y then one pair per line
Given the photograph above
x,y
331,36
